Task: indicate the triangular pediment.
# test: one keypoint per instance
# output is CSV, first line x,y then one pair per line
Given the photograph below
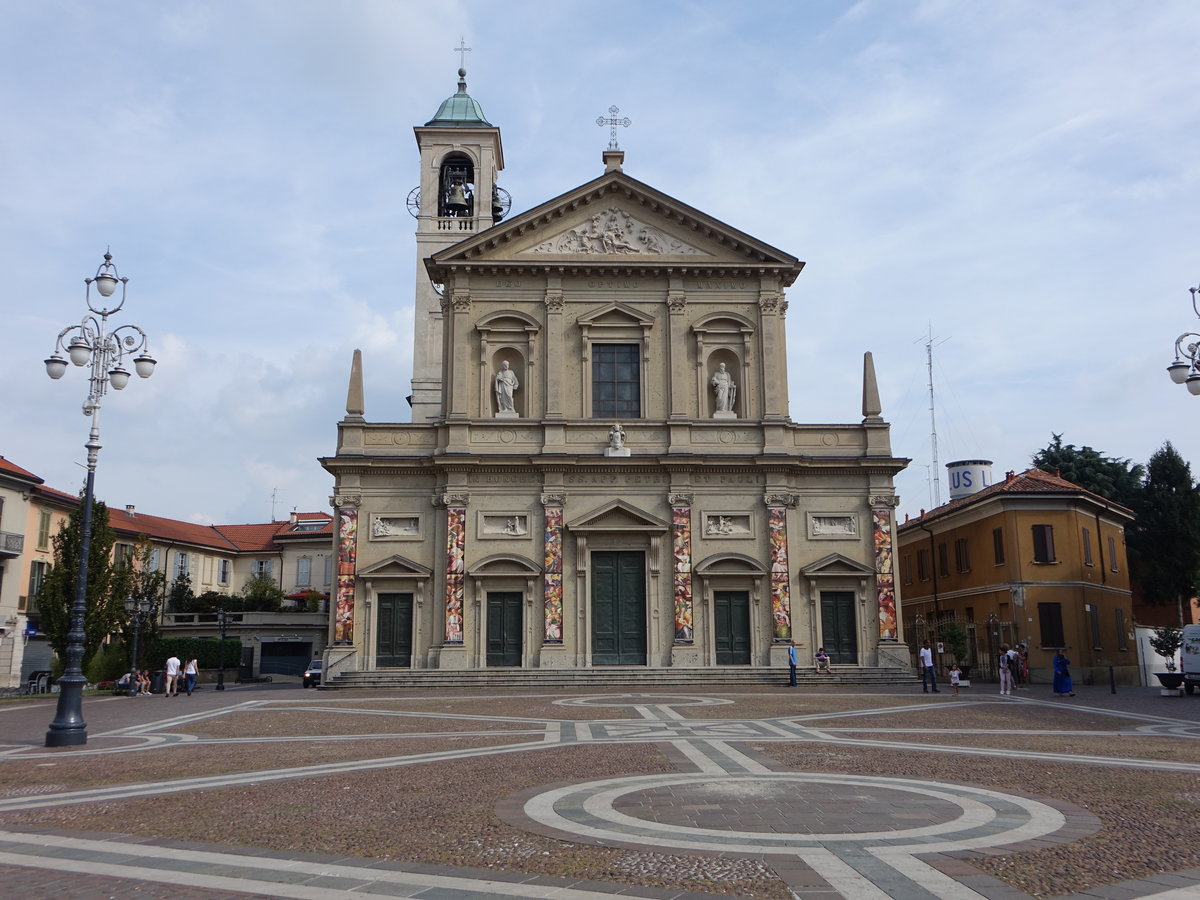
x,y
617,515
616,219
395,566
836,564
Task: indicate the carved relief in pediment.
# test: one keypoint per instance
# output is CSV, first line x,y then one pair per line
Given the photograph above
x,y
615,232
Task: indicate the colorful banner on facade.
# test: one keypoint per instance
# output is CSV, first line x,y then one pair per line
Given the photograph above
x,y
456,548
885,579
681,539
781,604
553,575
343,622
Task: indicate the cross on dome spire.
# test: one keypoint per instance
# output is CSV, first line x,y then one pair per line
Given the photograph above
x,y
612,121
462,50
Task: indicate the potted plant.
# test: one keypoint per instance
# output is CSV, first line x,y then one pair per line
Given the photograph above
x,y
1166,642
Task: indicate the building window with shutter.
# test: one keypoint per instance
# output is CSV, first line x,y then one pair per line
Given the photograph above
x,y
1112,554
223,571
43,536
943,560
906,565
328,571
1094,621
262,568
962,556
181,564
923,570
998,545
1122,638
1087,548
1043,544
303,572
1050,619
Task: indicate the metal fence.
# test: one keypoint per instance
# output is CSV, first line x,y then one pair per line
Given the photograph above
x,y
983,641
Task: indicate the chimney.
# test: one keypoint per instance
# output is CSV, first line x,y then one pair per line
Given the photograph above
x,y
130,510
293,518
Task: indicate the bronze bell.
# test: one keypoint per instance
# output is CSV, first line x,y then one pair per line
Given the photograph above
x,y
456,200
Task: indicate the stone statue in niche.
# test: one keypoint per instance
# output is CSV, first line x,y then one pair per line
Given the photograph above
x,y
616,442
513,526
506,385
724,393
720,525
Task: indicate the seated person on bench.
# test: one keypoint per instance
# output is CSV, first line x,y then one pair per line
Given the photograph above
x,y
822,659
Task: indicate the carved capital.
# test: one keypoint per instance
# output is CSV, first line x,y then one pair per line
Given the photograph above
x,y
676,301
681,499
554,498
456,499
461,301
444,303
345,501
554,300
770,301
884,501
788,500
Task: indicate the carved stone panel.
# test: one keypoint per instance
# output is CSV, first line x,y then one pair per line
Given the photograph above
x,y
614,232
833,526
395,527
728,525
501,525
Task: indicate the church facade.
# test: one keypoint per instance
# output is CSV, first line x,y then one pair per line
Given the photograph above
x,y
600,468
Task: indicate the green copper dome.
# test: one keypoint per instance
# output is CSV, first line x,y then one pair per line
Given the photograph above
x,y
460,111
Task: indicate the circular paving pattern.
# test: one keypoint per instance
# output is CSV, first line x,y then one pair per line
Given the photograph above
x,y
790,812
620,700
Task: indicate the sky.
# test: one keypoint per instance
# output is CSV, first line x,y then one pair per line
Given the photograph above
x,y
1016,183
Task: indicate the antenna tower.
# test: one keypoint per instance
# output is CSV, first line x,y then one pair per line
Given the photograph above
x,y
275,492
935,470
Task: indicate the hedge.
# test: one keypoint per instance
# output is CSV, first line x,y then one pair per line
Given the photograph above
x,y
206,651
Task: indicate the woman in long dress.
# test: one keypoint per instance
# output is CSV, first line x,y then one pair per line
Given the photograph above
x,y
1062,675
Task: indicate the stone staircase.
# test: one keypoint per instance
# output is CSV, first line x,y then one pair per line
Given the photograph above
x,y
606,677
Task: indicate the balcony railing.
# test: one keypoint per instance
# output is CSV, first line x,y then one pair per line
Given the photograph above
x,y
11,544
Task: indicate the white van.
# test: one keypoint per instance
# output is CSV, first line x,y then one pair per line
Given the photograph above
x,y
1189,656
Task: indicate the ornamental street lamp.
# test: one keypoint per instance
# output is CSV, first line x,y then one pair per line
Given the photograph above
x,y
139,612
222,621
1186,367
91,343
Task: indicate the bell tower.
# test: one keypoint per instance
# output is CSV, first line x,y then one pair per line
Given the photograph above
x,y
458,197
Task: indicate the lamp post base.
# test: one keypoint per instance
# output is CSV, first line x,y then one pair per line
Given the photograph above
x,y
68,728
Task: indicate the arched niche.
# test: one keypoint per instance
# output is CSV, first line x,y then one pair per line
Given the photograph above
x,y
456,185
728,338
507,336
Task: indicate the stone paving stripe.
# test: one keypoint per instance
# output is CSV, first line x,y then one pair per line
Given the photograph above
x,y
843,878
283,878
937,884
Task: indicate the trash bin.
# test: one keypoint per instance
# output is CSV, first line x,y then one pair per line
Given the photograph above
x,y
158,682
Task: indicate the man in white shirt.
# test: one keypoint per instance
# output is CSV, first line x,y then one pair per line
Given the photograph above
x,y
928,674
172,688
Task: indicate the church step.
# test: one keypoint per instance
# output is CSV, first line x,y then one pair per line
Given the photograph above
x,y
608,676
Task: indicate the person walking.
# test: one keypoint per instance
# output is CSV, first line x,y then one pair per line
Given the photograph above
x,y
172,669
1062,675
1004,663
928,673
791,663
191,671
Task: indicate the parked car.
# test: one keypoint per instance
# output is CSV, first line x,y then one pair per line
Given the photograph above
x,y
312,675
1189,657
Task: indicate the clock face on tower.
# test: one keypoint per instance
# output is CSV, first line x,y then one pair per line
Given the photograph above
x,y
414,202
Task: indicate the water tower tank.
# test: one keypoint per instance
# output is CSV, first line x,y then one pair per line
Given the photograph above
x,y
969,476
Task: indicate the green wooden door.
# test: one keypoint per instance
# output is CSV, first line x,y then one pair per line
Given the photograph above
x,y
393,643
839,632
503,628
619,608
731,621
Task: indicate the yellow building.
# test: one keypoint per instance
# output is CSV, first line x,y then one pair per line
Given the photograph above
x,y
1033,559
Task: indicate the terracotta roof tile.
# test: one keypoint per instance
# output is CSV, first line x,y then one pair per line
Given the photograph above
x,y
1031,481
13,469
167,529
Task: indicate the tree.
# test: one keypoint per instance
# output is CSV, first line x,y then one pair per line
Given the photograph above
x,y
146,583
262,594
181,598
107,584
1112,478
1164,539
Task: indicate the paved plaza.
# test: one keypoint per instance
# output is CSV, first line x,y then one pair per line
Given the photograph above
x,y
836,792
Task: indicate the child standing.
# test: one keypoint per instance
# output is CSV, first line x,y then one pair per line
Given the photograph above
x,y
955,674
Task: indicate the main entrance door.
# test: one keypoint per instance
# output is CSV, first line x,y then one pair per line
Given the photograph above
x,y
503,628
393,645
839,633
619,608
731,621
